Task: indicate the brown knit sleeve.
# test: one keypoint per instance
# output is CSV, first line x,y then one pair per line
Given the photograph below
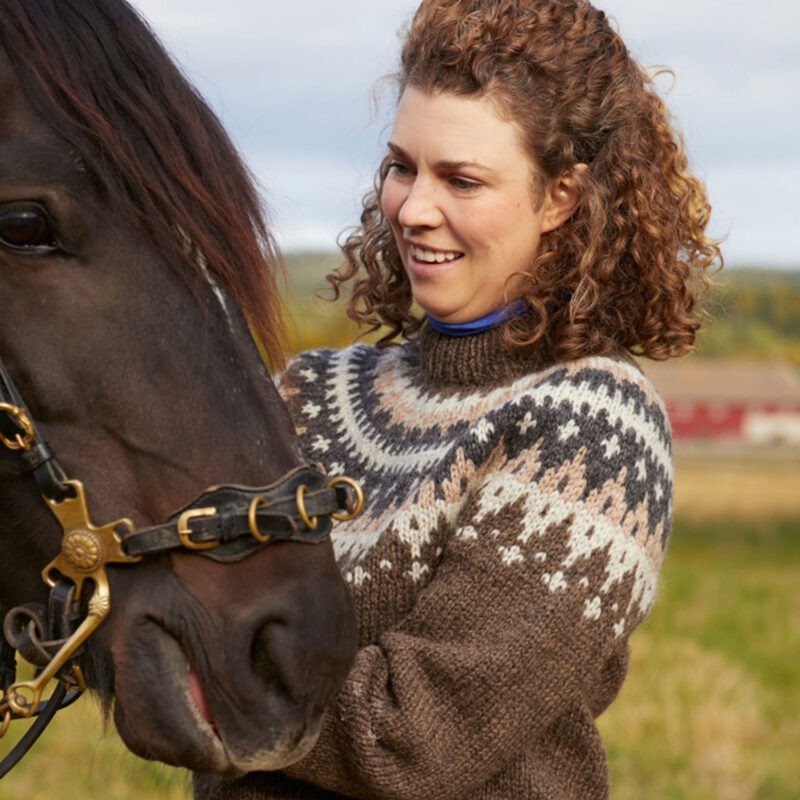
x,y
505,640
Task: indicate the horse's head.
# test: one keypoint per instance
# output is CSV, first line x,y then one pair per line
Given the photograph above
x,y
130,241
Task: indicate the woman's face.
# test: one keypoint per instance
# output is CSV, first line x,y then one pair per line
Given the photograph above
x,y
459,197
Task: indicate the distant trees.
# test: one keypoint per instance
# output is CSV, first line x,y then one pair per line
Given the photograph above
x,y
756,314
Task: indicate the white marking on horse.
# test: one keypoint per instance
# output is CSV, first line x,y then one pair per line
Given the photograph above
x,y
217,289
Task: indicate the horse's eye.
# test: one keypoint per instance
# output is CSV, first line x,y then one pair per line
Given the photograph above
x,y
25,226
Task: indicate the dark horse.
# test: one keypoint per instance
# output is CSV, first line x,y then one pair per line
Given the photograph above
x,y
132,251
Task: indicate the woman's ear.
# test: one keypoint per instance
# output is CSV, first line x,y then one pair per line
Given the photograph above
x,y
563,197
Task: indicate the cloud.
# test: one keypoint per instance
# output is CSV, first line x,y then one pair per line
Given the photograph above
x,y
755,206
311,199
291,82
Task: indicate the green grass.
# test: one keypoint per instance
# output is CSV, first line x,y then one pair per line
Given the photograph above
x,y
710,710
78,758
711,707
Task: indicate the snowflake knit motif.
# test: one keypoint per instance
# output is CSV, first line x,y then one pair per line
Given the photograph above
x,y
515,520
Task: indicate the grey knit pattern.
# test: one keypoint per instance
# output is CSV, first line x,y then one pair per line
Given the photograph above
x,y
516,516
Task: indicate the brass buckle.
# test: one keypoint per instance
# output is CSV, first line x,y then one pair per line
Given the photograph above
x,y
359,497
21,441
299,497
253,522
184,531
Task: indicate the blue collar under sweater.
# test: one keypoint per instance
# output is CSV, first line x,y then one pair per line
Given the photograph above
x,y
518,308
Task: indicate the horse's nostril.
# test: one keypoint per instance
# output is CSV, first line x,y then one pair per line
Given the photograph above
x,y
263,663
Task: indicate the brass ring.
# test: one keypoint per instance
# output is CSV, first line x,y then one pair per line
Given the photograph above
x,y
6,723
20,441
18,703
311,524
251,519
359,497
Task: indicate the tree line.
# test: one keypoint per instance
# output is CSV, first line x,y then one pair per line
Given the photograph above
x,y
754,313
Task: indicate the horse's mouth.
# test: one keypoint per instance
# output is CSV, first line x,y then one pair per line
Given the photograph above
x,y
175,724
199,699
178,726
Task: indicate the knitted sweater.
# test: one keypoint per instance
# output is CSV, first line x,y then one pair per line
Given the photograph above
x,y
515,521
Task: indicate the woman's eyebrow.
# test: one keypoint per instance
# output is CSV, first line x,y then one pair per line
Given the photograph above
x,y
443,164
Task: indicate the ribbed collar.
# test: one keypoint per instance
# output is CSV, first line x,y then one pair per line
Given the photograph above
x,y
478,360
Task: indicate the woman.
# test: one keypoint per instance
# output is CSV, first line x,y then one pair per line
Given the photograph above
x,y
536,205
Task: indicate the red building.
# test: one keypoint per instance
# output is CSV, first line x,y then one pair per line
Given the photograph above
x,y
745,401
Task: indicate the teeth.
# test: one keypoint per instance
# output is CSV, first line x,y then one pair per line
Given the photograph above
x,y
432,256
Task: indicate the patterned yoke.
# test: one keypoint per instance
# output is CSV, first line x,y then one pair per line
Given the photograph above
x,y
515,521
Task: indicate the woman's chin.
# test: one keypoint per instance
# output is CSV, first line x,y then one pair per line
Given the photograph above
x,y
441,303
450,313
440,315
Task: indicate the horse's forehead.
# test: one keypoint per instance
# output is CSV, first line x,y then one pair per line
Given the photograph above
x,y
30,151
13,109
6,79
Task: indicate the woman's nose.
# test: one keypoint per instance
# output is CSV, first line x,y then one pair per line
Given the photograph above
x,y
421,208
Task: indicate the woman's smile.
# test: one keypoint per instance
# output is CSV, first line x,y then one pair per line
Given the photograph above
x,y
425,261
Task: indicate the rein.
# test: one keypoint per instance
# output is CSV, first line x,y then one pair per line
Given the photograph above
x,y
225,523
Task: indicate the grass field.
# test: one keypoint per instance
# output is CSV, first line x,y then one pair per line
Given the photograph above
x,y
751,487
711,707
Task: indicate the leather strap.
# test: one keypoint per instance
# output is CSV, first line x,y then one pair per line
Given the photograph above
x,y
8,665
277,518
39,458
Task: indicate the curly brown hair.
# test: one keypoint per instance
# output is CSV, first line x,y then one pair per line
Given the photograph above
x,y
624,273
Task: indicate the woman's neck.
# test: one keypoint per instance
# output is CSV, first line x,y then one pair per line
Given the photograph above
x,y
480,360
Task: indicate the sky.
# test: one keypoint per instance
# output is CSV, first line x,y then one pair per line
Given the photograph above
x,y
294,84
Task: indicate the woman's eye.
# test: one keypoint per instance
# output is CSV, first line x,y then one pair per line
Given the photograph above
x,y
398,168
463,184
26,227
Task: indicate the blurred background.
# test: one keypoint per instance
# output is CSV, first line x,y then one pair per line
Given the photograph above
x,y
711,707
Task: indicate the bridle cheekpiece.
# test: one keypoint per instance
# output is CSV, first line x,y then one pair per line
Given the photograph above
x,y
226,523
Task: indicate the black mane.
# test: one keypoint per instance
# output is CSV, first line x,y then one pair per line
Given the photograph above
x,y
97,74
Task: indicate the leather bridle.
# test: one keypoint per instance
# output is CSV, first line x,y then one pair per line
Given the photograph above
x,y
225,523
